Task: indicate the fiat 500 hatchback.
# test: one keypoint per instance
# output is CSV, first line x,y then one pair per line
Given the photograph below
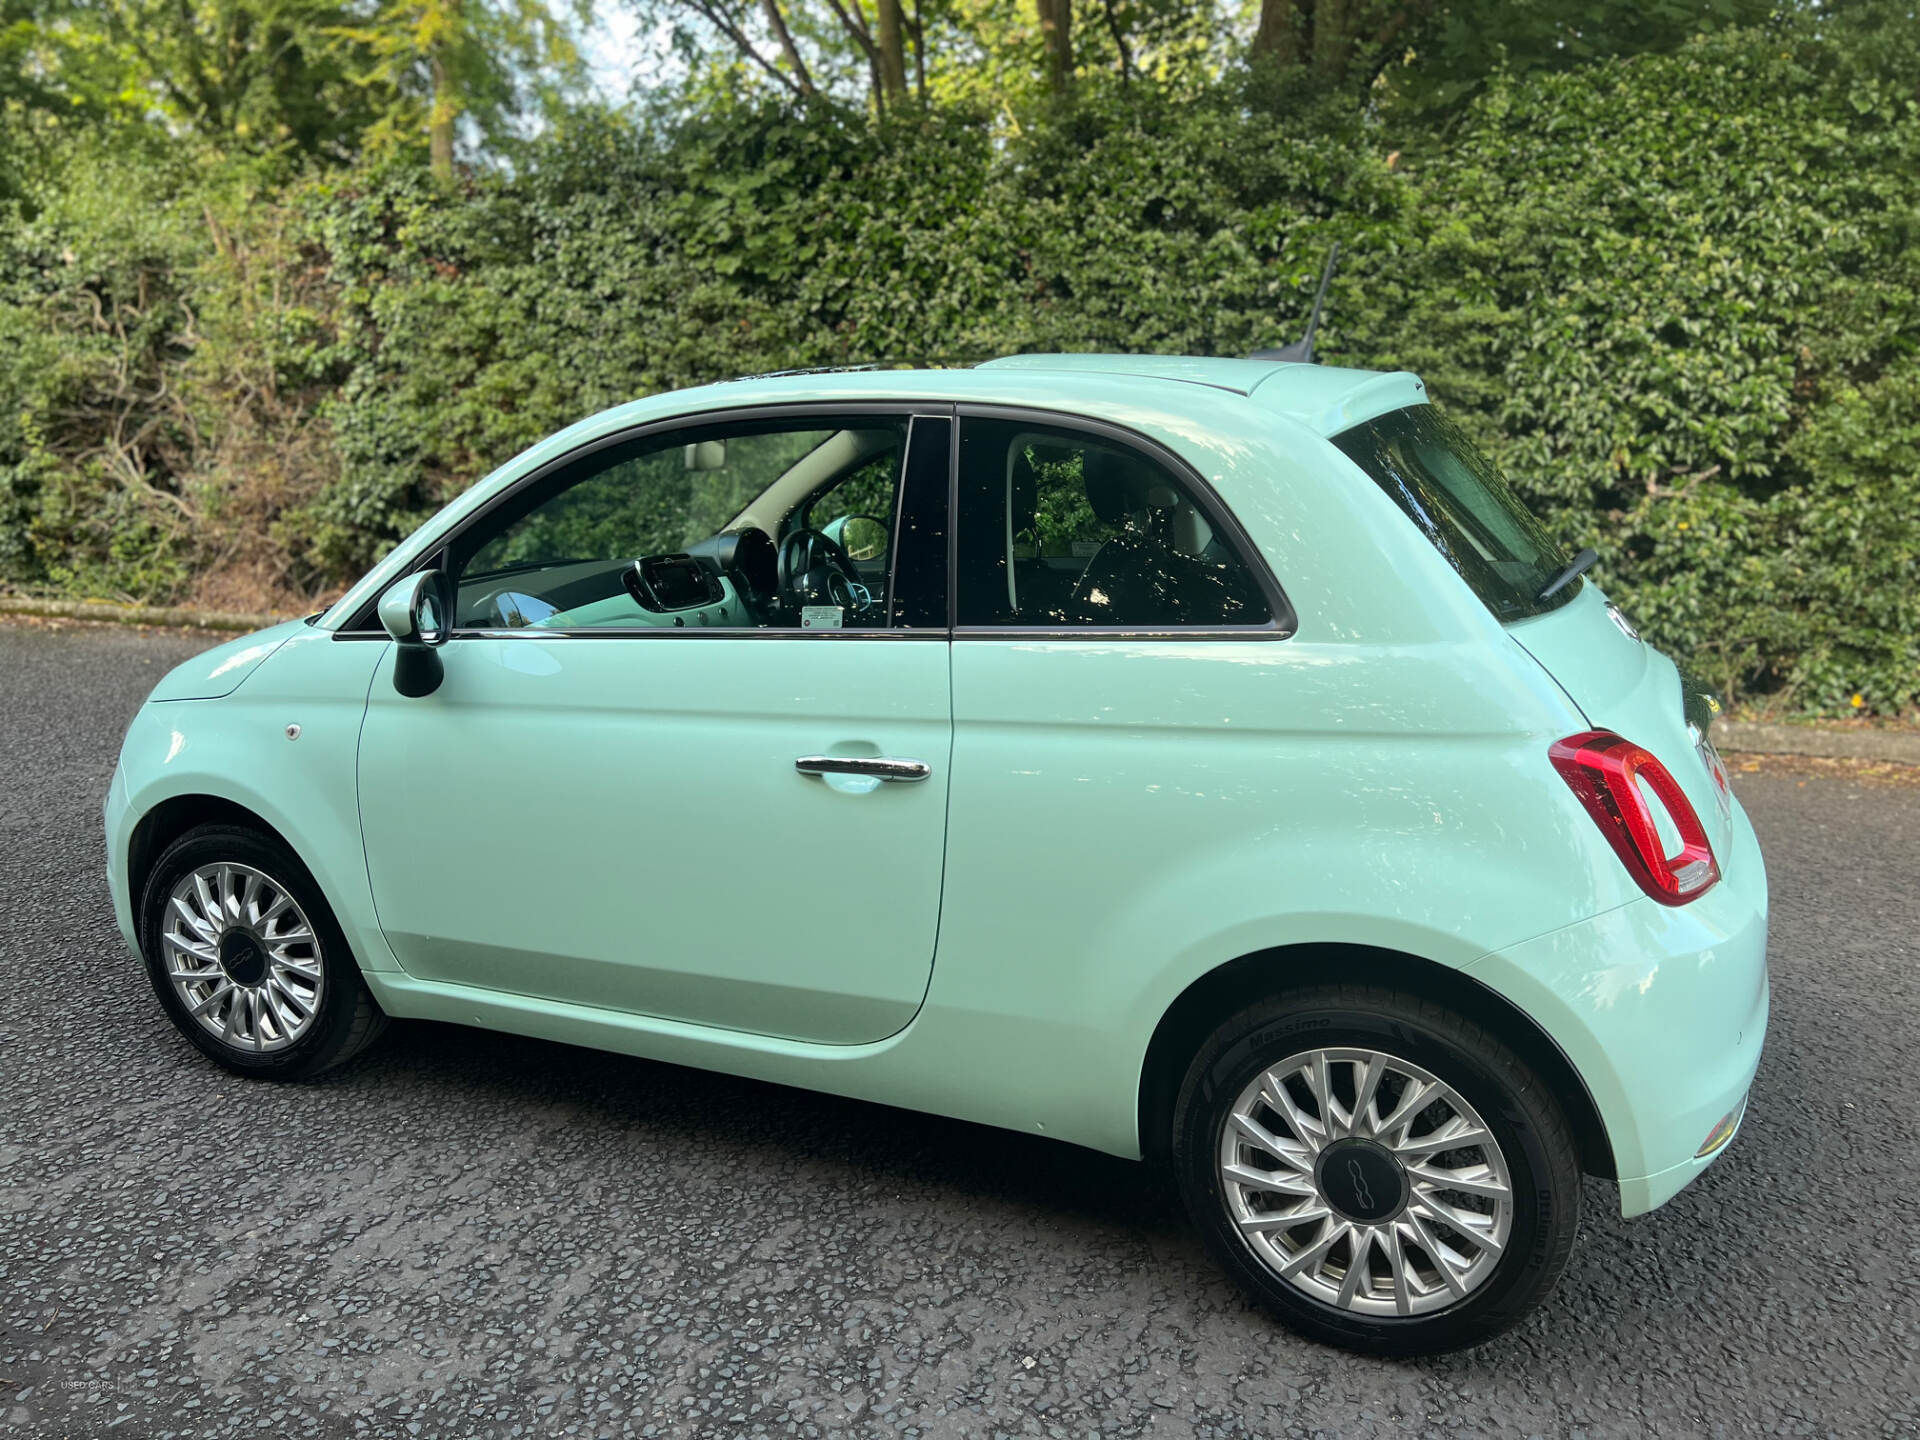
x,y
1201,760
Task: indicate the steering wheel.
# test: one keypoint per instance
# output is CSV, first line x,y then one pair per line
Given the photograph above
x,y
814,570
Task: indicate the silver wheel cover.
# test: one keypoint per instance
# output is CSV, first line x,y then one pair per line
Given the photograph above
x,y
242,956
1365,1182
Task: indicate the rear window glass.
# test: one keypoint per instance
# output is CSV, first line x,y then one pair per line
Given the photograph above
x,y
1463,505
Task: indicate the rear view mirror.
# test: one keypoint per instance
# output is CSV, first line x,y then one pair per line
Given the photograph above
x,y
706,455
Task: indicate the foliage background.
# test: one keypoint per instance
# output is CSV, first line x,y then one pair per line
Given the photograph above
x,y
1676,293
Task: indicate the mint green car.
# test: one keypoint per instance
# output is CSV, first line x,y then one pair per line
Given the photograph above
x,y
1201,760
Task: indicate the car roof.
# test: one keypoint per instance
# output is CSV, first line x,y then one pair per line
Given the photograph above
x,y
1324,398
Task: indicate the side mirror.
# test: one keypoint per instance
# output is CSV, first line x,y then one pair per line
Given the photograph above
x,y
417,611
861,536
414,610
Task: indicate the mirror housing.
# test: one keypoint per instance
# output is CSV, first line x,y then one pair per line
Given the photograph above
x,y
417,611
414,609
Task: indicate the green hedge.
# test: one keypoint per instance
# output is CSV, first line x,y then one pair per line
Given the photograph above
x,y
1680,298
1676,295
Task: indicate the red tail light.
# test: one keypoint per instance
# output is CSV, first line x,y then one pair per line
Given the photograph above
x,y
1602,769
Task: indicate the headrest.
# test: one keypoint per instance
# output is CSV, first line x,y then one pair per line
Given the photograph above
x,y
1118,485
1190,534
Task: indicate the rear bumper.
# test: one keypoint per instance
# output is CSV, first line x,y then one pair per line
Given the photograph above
x,y
1662,1011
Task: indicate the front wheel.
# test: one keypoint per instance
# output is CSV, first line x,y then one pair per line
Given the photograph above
x,y
1378,1172
247,959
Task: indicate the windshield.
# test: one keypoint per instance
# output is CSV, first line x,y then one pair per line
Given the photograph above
x,y
1463,505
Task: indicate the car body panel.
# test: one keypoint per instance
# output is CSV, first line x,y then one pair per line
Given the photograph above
x,y
1127,814
1623,684
237,749
1662,1010
1324,398
1242,377
617,822
1198,803
220,671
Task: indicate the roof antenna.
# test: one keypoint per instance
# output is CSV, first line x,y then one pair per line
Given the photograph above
x,y
1301,351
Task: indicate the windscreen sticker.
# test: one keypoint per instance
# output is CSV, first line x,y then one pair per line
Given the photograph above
x,y
820,617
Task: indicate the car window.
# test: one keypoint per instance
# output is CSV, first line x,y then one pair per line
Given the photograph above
x,y
1058,528
1463,505
721,527
869,492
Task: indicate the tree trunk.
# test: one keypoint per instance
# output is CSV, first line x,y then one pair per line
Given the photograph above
x,y
918,32
890,38
1056,34
441,116
438,33
1334,39
1337,41
1282,32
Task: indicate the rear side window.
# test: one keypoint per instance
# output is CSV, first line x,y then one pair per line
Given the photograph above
x,y
1061,530
1463,505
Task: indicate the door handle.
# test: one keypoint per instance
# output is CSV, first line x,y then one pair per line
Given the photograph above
x,y
879,767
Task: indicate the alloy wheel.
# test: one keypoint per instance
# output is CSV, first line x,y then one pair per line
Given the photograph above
x,y
242,957
1366,1182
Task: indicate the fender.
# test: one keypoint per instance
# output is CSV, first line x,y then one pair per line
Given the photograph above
x,y
237,748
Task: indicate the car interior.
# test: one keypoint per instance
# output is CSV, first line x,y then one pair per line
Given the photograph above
x,y
1089,535
779,528
785,528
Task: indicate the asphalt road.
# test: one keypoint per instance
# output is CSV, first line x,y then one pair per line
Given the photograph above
x,y
468,1233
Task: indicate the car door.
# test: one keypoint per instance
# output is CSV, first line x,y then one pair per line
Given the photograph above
x,y
665,773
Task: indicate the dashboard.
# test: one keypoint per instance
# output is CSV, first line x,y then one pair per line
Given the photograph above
x,y
726,581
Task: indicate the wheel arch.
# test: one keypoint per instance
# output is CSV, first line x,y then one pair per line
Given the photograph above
x,y
173,817
1231,987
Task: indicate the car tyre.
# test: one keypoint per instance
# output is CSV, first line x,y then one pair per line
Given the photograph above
x,y
1483,1228
247,958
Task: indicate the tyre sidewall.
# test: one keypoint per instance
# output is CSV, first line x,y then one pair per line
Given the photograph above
x,y
214,844
1545,1195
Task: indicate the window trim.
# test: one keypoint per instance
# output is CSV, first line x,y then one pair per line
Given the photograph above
x,y
364,624
943,502
1284,622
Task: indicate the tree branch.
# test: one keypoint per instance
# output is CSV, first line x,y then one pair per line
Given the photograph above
x,y
919,53
1119,42
856,26
724,22
771,8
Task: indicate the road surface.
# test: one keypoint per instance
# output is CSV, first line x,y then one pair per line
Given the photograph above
x,y
467,1233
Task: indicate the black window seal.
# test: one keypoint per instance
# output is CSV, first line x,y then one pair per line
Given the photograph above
x,y
1283,625
944,500
364,624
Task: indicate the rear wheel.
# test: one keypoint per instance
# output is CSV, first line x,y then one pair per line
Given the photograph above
x,y
1378,1172
247,959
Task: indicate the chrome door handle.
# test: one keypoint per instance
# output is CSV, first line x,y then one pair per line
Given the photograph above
x,y
880,767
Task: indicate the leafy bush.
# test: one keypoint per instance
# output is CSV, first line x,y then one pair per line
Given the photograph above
x,y
158,375
1675,296
1679,297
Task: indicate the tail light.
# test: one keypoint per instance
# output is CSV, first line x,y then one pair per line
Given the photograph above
x,y
1612,777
